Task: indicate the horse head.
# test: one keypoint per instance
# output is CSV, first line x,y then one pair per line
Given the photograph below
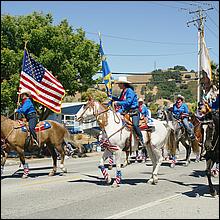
x,y
91,110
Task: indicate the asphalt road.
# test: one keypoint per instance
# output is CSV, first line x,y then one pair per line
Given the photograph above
x,y
181,193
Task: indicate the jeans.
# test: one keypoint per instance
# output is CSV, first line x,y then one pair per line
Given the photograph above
x,y
188,128
135,120
32,120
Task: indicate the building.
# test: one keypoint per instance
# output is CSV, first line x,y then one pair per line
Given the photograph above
x,y
68,116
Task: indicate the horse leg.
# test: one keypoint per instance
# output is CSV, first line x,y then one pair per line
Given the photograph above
x,y
153,160
188,151
54,156
110,161
209,165
158,162
60,149
25,165
118,168
4,156
101,166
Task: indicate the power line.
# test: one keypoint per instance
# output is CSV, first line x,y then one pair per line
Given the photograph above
x,y
148,55
213,21
211,31
147,41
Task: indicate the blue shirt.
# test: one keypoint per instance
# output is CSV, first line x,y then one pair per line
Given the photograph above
x,y
26,108
130,100
182,109
215,104
144,110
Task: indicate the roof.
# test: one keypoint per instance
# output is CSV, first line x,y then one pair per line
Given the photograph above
x,y
68,104
71,110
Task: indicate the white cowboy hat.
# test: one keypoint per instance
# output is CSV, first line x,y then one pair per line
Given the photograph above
x,y
140,100
23,90
122,79
180,97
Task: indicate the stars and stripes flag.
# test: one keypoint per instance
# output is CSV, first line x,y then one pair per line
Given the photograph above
x,y
106,73
44,87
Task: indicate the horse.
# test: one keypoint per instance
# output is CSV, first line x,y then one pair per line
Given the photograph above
x,y
14,136
199,131
116,136
181,136
211,144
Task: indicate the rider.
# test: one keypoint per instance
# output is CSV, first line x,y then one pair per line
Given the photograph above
x,y
145,111
27,108
181,111
128,102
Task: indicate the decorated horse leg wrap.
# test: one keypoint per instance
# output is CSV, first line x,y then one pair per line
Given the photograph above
x,y
104,172
26,169
118,177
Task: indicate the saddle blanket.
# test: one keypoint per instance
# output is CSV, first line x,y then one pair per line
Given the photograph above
x,y
43,125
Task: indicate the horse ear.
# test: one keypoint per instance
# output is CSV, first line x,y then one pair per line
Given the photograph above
x,y
90,98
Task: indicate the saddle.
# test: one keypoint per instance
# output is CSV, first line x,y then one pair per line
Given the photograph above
x,y
42,125
142,122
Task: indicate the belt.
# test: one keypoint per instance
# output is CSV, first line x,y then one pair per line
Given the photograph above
x,y
30,114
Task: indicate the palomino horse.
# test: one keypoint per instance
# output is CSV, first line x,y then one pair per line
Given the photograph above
x,y
181,136
116,136
14,137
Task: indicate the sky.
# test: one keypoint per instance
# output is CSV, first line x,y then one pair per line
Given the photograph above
x,y
137,36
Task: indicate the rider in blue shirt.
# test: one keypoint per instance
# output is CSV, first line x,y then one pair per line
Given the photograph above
x,y
181,111
28,110
128,103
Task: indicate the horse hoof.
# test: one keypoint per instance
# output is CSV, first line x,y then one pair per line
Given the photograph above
x,y
172,165
187,163
115,185
150,181
213,194
24,176
64,170
109,180
52,173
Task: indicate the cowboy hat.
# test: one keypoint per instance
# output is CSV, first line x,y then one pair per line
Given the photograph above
x,y
180,97
140,100
122,79
24,91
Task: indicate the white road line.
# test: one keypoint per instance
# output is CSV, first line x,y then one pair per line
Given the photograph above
x,y
139,208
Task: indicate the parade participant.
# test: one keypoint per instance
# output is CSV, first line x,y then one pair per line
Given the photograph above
x,y
181,111
27,108
145,112
143,108
128,102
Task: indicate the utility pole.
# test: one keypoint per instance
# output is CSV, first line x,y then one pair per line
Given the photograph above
x,y
200,26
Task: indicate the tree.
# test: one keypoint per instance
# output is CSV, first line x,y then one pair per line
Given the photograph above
x,y
71,58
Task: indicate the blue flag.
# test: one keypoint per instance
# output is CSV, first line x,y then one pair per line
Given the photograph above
x,y
106,73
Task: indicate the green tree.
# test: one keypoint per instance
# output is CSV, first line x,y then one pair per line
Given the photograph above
x,y
64,51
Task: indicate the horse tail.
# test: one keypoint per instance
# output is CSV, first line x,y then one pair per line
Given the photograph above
x,y
171,142
70,138
195,147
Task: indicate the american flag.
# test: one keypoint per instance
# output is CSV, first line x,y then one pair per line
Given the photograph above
x,y
44,87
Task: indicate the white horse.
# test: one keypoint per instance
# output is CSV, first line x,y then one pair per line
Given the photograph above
x,y
116,136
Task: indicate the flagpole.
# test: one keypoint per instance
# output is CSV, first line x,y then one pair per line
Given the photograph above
x,y
199,64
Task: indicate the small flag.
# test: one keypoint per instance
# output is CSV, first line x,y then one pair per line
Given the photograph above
x,y
106,73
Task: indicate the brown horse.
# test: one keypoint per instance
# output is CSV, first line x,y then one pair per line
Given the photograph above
x,y
198,130
14,139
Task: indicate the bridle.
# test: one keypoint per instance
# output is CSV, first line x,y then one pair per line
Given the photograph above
x,y
101,115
